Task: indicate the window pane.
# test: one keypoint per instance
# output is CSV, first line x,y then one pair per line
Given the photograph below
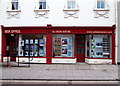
x,y
32,45
44,5
100,46
63,45
71,4
98,4
40,5
102,4
16,5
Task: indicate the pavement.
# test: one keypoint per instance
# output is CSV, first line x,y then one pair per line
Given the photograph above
x,y
61,72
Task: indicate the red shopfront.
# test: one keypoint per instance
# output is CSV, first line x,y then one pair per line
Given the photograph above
x,y
55,44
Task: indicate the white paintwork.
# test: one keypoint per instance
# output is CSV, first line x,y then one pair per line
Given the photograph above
x,y
85,14
34,60
98,61
5,59
0,42
57,60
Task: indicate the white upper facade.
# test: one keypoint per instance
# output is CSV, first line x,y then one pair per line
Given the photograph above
x,y
57,12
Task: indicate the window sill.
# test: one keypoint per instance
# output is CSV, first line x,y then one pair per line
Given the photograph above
x,y
13,11
101,10
70,9
41,10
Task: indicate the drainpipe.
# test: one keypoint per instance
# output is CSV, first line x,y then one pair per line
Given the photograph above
x,y
118,27
116,31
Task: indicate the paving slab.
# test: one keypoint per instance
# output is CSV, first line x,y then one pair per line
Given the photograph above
x,y
61,72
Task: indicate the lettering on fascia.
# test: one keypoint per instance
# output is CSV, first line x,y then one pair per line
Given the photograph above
x,y
12,31
99,31
60,31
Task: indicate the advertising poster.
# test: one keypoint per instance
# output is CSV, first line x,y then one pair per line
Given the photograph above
x,y
31,53
69,53
27,41
36,41
57,39
64,41
26,47
69,47
26,53
21,42
41,42
20,53
35,47
35,53
31,41
31,47
64,50
41,52
70,40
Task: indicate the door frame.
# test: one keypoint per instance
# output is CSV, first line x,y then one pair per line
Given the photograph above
x,y
11,44
76,48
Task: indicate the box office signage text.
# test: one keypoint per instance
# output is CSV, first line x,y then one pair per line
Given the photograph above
x,y
12,31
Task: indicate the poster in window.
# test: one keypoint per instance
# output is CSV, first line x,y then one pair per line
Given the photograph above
x,y
26,53
21,42
20,53
64,41
41,52
31,41
69,47
36,41
35,53
70,40
31,47
57,39
69,53
35,47
31,53
64,50
27,41
57,49
26,47
41,42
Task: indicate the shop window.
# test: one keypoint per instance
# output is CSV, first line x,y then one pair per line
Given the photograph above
x,y
98,46
63,46
32,45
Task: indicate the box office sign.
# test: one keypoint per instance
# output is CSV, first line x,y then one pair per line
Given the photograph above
x,y
12,31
